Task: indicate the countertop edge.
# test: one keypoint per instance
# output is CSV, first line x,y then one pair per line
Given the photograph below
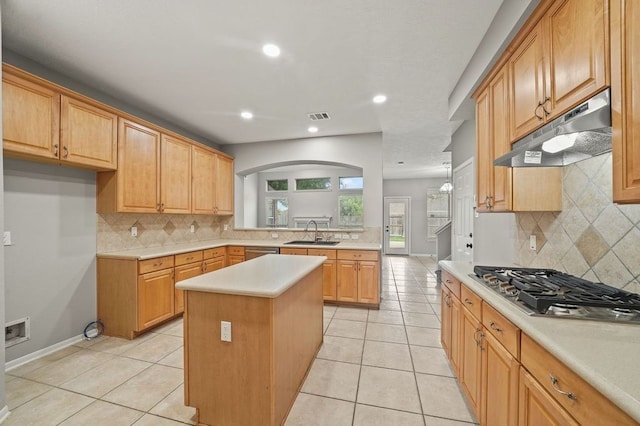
x,y
620,397
150,253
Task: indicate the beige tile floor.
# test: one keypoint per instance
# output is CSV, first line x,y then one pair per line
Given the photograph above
x,y
375,367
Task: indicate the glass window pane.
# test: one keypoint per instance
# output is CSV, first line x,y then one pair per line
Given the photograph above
x,y
276,212
277,185
313,184
350,211
353,182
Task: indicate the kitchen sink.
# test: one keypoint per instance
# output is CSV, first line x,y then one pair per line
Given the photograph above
x,y
314,243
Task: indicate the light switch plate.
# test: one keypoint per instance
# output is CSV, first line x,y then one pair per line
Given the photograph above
x,y
192,228
6,239
225,331
532,242
134,231
354,236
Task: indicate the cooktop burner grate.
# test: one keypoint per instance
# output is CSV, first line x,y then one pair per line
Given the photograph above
x,y
541,288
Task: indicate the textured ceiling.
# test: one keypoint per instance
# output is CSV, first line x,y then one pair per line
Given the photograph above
x,y
199,63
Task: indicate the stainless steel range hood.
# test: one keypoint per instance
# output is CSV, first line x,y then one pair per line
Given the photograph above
x,y
582,133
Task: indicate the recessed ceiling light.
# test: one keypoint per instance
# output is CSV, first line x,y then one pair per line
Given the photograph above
x,y
401,163
379,99
271,50
313,129
247,115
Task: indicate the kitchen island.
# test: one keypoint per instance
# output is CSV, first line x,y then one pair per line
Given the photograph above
x,y
273,308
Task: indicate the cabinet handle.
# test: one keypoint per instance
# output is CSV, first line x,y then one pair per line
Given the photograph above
x,y
447,301
204,267
547,99
495,327
158,206
189,258
162,207
66,152
468,301
55,153
478,336
157,264
554,383
539,117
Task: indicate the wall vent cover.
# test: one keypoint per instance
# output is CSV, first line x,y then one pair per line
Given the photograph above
x,y
315,116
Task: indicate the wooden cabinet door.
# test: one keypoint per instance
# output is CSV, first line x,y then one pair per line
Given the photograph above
x,y
445,321
30,118
368,282
89,135
625,97
470,360
329,280
156,293
484,153
577,52
499,141
175,176
233,260
537,407
224,185
499,395
182,273
456,313
527,84
347,281
203,165
213,264
138,168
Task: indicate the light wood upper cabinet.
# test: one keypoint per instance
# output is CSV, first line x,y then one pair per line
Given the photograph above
x,y
30,118
625,97
89,134
561,62
203,166
224,185
175,175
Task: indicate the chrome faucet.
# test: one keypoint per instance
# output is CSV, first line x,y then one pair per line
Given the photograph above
x,y
315,234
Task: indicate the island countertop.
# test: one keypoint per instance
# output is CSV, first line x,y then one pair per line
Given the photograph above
x,y
265,276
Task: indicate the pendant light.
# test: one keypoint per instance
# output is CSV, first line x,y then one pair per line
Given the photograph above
x,y
447,186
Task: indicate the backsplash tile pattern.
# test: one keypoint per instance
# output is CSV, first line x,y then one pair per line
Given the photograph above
x,y
591,237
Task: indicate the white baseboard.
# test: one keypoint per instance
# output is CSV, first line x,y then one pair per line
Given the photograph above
x,y
10,365
4,413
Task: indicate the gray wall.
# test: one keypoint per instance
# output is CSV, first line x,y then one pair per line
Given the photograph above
x,y
363,151
40,70
3,405
306,203
50,270
417,190
463,143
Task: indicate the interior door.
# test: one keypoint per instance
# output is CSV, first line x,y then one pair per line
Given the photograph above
x,y
463,212
397,227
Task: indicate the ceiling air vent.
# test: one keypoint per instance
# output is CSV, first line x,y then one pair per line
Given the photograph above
x,y
315,116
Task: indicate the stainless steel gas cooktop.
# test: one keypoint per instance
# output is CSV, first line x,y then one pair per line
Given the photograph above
x,y
548,292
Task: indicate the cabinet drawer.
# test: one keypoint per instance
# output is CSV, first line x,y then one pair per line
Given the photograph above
x,y
589,405
235,250
331,254
296,251
471,301
192,256
357,255
451,283
214,252
502,329
155,264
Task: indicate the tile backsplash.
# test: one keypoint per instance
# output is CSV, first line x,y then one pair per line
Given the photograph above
x,y
158,230
591,237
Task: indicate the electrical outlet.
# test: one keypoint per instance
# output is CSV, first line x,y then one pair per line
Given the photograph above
x,y
6,239
532,242
337,236
274,235
345,236
355,236
192,228
225,331
226,227
134,231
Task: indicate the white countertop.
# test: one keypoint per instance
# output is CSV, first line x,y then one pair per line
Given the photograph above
x,y
265,276
606,355
150,253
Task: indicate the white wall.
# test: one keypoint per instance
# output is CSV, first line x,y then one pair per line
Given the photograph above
x,y
3,406
417,190
50,270
362,151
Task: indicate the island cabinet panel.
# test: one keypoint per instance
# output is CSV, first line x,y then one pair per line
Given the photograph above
x,y
254,379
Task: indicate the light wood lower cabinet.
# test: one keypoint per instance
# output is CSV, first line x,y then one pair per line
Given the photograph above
x,y
296,251
214,259
155,298
450,320
183,271
358,276
470,358
235,255
536,406
329,272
